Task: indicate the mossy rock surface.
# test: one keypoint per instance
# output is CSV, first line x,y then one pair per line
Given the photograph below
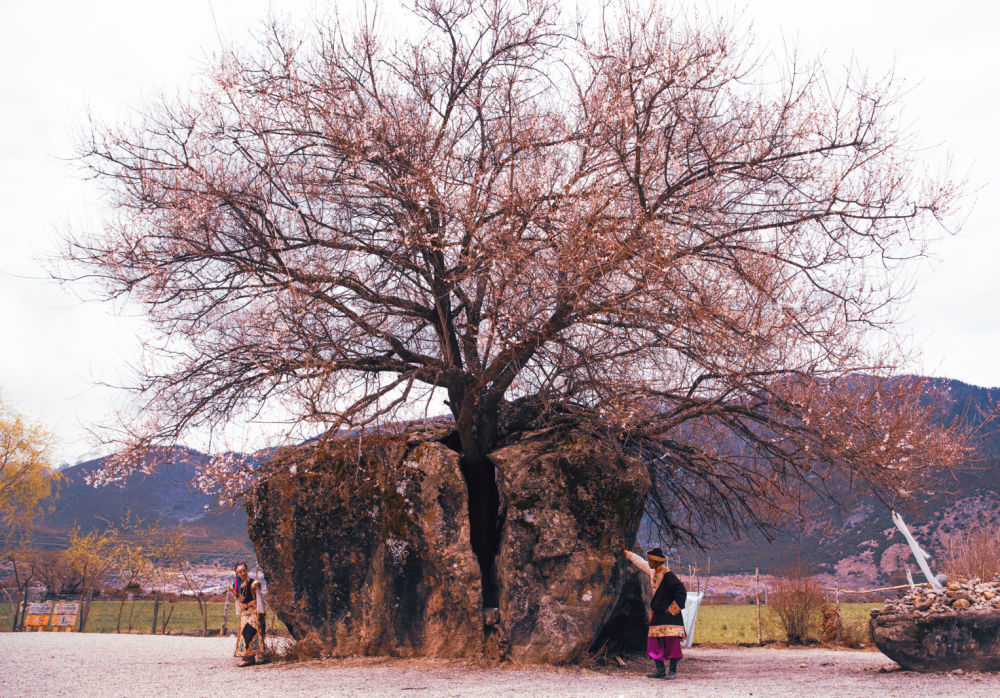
x,y
564,583
378,563
366,547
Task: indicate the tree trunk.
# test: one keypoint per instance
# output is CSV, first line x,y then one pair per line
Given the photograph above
x,y
83,599
121,607
17,614
203,607
85,608
478,434
17,618
166,618
131,614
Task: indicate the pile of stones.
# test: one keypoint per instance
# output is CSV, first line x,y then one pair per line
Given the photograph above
x,y
957,596
957,628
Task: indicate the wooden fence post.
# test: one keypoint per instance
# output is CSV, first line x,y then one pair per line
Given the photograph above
x,y
156,610
756,597
85,611
225,617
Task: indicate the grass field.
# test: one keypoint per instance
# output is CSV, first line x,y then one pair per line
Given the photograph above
x,y
185,617
738,624
719,624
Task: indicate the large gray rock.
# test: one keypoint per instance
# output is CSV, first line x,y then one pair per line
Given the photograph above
x,y
968,640
570,498
370,560
366,550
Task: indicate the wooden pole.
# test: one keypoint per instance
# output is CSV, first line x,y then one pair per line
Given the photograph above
x,y
756,598
838,597
156,610
225,617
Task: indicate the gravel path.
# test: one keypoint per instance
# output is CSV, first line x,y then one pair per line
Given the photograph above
x,y
150,665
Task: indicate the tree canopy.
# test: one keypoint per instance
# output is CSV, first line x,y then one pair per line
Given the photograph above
x,y
632,218
27,479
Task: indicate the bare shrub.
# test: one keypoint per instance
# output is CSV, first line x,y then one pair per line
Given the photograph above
x,y
972,554
854,633
309,647
794,603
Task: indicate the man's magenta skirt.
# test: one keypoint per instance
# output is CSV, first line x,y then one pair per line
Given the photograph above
x,y
663,647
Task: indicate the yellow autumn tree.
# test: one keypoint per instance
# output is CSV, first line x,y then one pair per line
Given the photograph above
x,y
27,481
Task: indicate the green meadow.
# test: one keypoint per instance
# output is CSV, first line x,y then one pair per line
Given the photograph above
x,y
738,624
184,617
717,624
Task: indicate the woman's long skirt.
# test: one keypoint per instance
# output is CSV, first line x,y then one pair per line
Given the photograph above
x,y
250,640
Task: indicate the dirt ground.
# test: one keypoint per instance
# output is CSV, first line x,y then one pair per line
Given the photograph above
x,y
131,665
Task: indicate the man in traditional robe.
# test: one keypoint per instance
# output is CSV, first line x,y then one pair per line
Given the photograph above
x,y
666,623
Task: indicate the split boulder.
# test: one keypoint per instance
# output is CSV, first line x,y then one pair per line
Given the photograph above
x,y
371,560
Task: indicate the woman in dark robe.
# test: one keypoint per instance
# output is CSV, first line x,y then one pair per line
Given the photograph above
x,y
666,623
250,600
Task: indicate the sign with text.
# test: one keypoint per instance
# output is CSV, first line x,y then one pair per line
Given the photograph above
x,y
64,615
37,615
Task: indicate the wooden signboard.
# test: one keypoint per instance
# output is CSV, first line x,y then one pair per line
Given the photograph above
x,y
37,617
64,616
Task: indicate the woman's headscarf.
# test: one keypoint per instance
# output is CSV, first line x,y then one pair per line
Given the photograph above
x,y
238,584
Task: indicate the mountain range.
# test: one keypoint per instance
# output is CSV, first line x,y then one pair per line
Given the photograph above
x,y
165,496
857,541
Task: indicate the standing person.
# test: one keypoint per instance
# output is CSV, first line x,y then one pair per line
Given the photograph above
x,y
250,597
666,624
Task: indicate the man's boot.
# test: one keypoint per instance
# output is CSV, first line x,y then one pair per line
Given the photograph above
x,y
659,673
673,670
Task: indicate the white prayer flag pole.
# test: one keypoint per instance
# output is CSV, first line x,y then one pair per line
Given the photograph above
x,y
919,554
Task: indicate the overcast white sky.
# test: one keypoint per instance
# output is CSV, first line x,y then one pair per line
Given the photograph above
x,y
63,57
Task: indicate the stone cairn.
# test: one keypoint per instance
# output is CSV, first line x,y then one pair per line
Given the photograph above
x,y
957,596
954,629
